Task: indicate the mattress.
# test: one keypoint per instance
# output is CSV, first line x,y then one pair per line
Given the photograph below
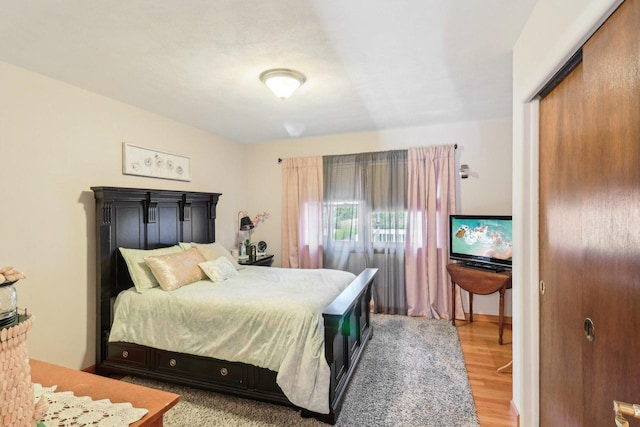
x,y
266,317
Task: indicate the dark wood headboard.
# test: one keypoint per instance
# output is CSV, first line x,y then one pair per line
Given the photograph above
x,y
142,219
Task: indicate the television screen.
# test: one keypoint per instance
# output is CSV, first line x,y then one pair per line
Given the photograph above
x,y
484,239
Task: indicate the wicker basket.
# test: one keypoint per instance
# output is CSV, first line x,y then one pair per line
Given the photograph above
x,y
17,406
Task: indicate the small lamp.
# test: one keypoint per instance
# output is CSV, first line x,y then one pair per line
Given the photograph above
x,y
246,224
464,171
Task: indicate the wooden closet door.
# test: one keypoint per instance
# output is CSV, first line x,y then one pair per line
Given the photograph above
x,y
561,253
590,230
611,287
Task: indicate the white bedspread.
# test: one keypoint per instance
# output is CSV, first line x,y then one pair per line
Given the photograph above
x,y
267,317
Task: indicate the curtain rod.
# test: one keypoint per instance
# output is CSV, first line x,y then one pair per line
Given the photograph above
x,y
455,146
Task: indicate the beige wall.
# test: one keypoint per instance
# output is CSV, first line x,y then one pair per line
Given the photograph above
x,y
484,145
554,32
56,141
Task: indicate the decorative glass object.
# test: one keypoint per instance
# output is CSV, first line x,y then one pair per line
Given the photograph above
x,y
8,296
8,304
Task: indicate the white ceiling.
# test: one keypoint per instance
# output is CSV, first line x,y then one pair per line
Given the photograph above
x,y
370,64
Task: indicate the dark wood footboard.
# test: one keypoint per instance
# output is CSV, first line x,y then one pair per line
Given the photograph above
x,y
347,328
147,219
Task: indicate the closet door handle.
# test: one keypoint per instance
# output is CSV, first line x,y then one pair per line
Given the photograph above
x,y
589,329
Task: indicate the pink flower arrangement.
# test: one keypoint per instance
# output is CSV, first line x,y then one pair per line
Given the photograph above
x,y
261,217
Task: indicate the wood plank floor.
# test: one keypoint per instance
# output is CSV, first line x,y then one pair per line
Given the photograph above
x,y
492,390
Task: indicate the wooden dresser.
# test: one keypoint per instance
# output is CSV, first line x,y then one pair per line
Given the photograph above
x,y
97,387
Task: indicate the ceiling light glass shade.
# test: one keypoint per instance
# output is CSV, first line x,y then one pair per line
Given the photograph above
x,y
282,82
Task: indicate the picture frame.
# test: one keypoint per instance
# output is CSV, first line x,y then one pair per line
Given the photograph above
x,y
141,161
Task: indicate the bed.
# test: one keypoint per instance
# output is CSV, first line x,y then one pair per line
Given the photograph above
x,y
150,219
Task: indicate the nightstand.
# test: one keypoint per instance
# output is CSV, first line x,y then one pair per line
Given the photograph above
x,y
481,282
263,261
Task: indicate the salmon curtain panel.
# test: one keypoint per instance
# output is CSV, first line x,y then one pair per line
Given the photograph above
x,y
431,198
302,212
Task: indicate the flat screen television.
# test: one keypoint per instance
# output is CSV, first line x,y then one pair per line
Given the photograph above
x,y
482,241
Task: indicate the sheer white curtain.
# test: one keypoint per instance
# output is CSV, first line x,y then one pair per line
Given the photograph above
x,y
364,220
302,212
431,198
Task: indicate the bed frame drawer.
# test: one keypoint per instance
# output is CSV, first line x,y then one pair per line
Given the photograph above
x,y
128,354
265,379
213,370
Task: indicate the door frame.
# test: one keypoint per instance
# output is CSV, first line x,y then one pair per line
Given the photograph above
x,y
535,64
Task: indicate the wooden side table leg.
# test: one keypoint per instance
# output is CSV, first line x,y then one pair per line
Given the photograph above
x,y
470,306
501,318
453,302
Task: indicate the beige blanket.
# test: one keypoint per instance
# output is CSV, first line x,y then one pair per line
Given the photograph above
x,y
267,317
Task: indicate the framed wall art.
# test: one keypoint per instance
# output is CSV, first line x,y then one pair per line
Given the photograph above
x,y
142,161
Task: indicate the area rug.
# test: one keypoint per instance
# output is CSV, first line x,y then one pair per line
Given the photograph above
x,y
412,373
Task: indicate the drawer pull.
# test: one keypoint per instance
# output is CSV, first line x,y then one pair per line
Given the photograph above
x,y
224,372
172,362
125,354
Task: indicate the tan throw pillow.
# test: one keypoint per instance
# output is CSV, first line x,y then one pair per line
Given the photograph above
x,y
219,269
212,251
140,273
175,270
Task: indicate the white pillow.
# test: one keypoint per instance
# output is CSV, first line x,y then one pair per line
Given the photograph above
x,y
139,271
218,269
211,251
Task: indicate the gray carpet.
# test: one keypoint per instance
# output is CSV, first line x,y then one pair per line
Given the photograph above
x,y
412,373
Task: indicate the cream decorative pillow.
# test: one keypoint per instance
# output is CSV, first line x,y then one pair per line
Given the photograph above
x,y
140,273
219,269
212,251
176,270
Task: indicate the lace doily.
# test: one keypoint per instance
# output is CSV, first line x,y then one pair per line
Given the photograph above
x,y
66,410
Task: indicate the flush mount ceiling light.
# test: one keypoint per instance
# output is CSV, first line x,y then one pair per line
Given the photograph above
x,y
282,82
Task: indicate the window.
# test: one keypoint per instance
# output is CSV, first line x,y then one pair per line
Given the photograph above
x,y
384,227
342,221
388,227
